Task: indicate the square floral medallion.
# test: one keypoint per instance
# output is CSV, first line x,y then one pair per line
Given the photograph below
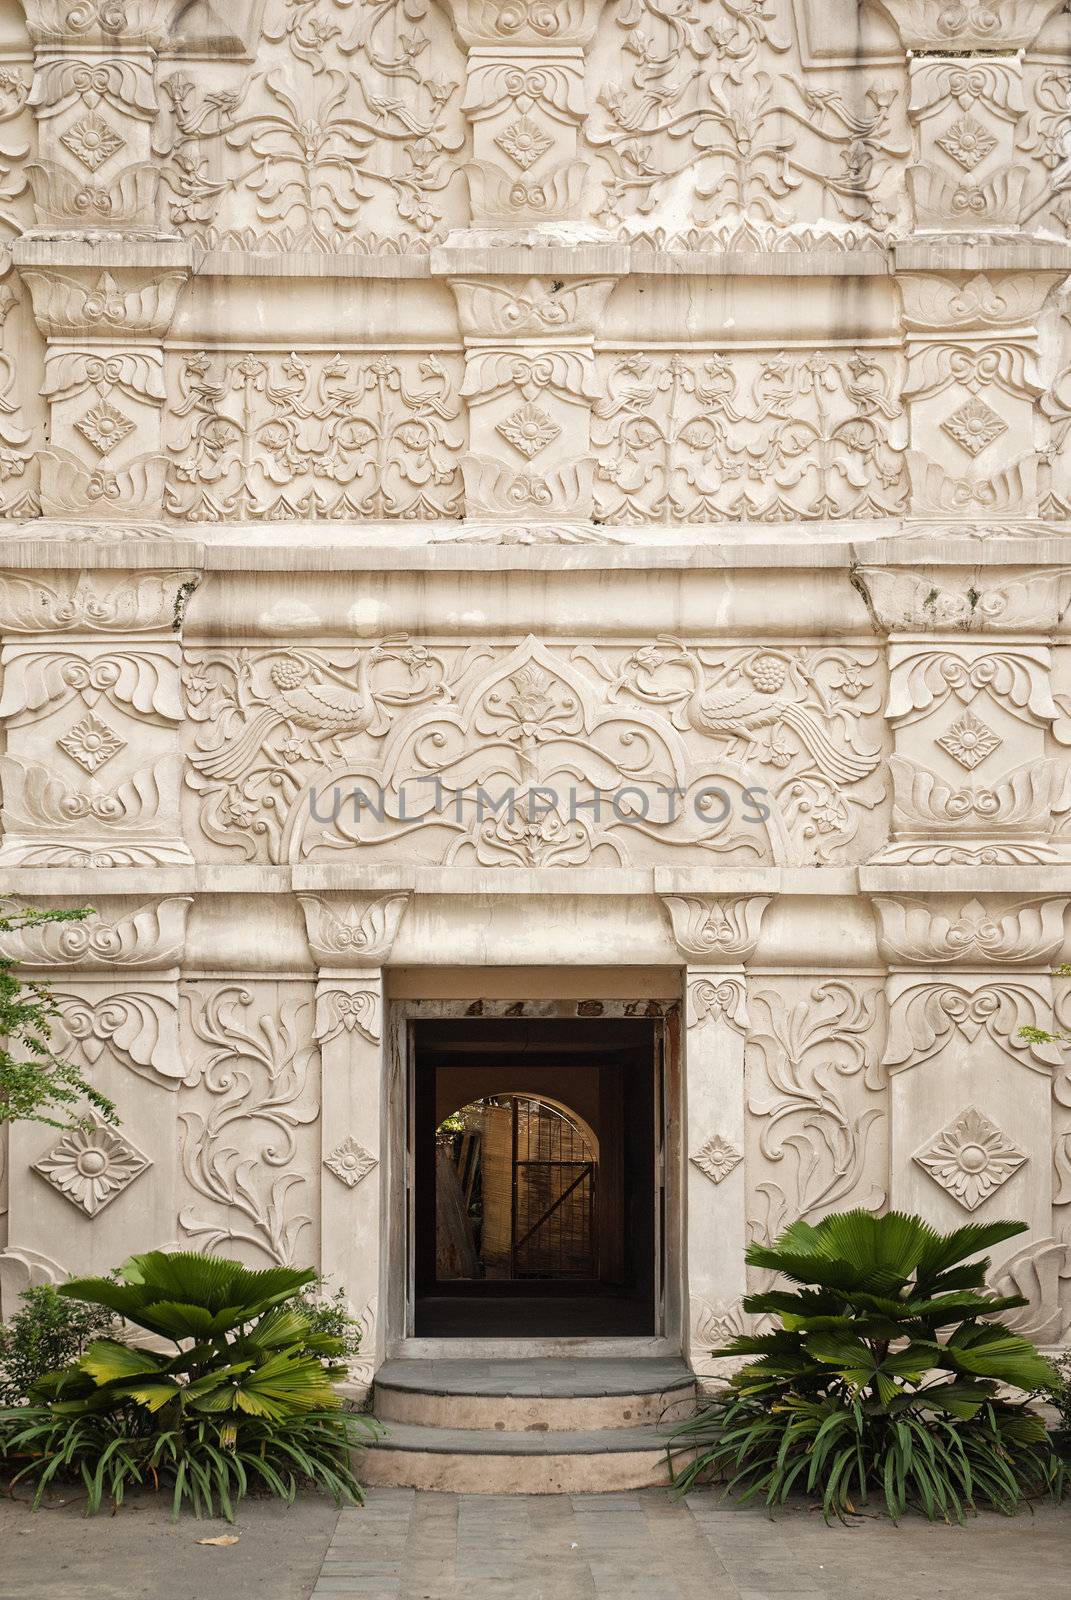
x,y
967,142
969,741
104,427
971,1158
89,1166
92,141
91,743
717,1158
529,429
350,1162
974,426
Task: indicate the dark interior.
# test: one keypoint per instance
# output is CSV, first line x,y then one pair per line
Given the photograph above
x,y
534,1144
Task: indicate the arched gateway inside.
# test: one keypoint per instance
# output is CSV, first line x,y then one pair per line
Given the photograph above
x,y
534,1195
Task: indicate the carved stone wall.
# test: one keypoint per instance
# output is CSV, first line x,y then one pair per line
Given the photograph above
x,y
491,485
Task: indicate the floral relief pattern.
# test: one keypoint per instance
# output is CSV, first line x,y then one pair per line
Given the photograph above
x,y
91,1165
700,114
91,743
252,1089
968,740
717,1158
346,134
350,1162
971,1158
422,743
816,1098
280,439
743,437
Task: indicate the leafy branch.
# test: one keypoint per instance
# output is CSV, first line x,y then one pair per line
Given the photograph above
x,y
36,1084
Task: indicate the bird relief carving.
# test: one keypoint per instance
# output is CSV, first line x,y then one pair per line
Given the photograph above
x,y
496,753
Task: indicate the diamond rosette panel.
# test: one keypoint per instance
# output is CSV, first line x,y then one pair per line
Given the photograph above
x,y
971,1158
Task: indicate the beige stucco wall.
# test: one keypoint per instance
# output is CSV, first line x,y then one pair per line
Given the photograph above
x,y
586,397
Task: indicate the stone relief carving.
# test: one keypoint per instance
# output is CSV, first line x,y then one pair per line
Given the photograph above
x,y
816,1096
348,1009
701,114
717,1158
554,169
137,1027
347,932
927,1015
350,1162
279,438
1037,1273
971,1158
251,1090
717,996
957,796
421,732
347,135
970,933
151,935
90,1166
742,436
972,389
723,930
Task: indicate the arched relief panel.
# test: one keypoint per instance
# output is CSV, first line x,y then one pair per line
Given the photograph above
x,y
971,1098
533,754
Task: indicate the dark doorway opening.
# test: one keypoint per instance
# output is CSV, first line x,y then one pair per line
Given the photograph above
x,y
534,1177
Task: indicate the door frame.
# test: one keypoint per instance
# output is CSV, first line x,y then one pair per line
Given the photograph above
x,y
399,1212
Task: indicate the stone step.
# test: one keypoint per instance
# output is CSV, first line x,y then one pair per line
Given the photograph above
x,y
485,1461
545,1395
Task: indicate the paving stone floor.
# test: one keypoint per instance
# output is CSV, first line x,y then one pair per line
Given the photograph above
x,y
651,1546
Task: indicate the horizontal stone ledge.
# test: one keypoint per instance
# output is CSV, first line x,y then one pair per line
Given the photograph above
x,y
67,883
971,253
615,258
382,547
1023,882
101,251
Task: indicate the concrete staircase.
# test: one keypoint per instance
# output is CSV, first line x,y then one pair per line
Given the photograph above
x,y
546,1426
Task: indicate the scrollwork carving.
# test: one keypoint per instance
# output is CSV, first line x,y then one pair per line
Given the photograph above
x,y
816,1092
152,935
926,1016
240,1153
708,929
352,932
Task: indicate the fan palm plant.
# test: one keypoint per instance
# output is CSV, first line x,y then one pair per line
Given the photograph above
x,y
886,1370
247,1394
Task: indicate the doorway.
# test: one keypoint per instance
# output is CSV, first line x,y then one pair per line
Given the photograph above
x,y
536,1210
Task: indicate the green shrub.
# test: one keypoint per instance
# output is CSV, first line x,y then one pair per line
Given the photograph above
x,y
246,1398
36,1085
328,1314
47,1332
1058,1395
884,1375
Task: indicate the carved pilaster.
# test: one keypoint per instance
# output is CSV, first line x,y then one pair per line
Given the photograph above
x,y
103,382
971,390
92,769
531,387
95,182
525,100
115,980
350,937
716,937
979,775
969,1086
95,100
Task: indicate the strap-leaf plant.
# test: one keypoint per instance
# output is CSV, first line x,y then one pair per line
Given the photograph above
x,y
886,1371
242,1395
